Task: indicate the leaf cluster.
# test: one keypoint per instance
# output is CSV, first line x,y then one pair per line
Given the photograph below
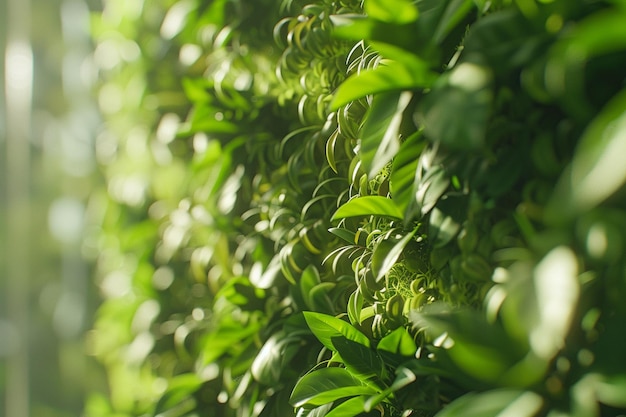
x,y
342,208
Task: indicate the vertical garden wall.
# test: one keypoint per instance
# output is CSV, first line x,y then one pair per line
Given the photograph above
x,y
343,208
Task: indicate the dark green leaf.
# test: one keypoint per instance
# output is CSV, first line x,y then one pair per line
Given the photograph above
x,y
456,111
359,359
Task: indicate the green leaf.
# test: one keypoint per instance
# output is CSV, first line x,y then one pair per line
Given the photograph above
x,y
454,12
326,385
494,403
359,359
505,39
320,297
380,136
391,11
429,189
404,376
308,280
356,27
403,170
446,218
456,111
597,170
477,348
350,408
271,360
368,206
387,76
540,308
399,342
384,258
345,234
355,305
325,327
180,388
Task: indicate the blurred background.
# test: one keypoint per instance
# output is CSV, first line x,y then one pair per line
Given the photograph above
x,y
48,122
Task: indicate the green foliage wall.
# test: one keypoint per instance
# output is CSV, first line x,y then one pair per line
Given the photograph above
x,y
341,208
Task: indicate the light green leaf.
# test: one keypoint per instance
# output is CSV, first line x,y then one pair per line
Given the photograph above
x,y
180,388
597,170
326,385
477,348
391,11
368,206
387,76
325,327
540,306
350,408
380,136
355,305
494,403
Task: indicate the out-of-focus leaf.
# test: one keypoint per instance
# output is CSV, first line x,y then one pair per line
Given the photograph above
x,y
454,12
273,358
429,189
597,170
495,403
479,349
391,11
368,206
179,388
505,39
326,385
308,280
445,219
540,308
456,111
357,27
380,136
